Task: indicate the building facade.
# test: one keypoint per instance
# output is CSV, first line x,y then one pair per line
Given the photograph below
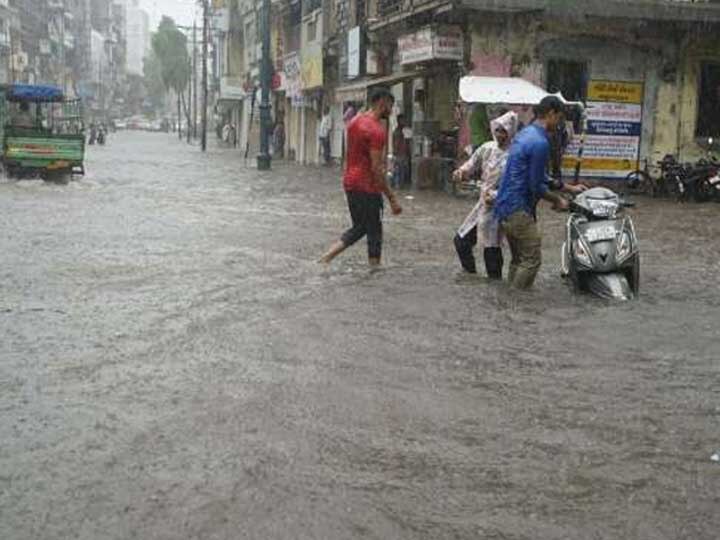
x,y
137,36
649,71
79,45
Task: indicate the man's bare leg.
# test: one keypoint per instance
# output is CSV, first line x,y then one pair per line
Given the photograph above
x,y
336,249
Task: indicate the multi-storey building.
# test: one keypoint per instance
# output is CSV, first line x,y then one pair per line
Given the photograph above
x,y
137,36
648,70
79,45
7,18
30,42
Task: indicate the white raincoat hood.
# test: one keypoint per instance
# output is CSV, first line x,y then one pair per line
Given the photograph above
x,y
508,121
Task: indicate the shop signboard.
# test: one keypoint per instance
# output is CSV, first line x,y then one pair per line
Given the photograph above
x,y
312,65
221,17
431,43
614,128
354,53
231,88
291,68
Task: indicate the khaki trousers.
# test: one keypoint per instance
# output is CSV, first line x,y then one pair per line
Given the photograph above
x,y
525,242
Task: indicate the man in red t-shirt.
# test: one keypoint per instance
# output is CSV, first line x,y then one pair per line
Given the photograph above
x,y
365,179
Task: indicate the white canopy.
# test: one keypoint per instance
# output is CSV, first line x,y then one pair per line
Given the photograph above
x,y
505,90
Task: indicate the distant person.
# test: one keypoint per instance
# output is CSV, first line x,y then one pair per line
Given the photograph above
x,y
324,133
93,134
559,141
349,114
22,117
479,126
228,134
401,152
279,138
101,134
365,179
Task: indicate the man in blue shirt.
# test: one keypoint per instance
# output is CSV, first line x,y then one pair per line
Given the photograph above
x,y
523,184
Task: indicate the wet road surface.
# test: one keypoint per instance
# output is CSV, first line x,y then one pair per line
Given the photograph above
x,y
174,365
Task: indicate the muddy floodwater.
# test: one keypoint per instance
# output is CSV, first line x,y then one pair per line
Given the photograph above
x,y
174,365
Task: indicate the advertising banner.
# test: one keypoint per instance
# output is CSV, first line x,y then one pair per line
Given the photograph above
x,y
291,67
354,35
612,141
442,43
312,65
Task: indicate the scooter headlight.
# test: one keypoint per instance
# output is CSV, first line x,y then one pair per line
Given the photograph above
x,y
624,247
580,253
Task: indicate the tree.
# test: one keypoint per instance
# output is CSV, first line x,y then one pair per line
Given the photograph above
x,y
169,45
155,88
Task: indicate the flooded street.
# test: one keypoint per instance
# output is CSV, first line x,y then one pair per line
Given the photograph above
x,y
174,365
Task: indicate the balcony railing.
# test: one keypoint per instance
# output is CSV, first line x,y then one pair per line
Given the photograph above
x,y
387,8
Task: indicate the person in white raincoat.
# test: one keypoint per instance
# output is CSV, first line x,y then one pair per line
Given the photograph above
x,y
489,160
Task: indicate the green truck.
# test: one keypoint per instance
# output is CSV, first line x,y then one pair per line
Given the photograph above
x,y
42,133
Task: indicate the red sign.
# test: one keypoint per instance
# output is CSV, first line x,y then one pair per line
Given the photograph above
x,y
276,81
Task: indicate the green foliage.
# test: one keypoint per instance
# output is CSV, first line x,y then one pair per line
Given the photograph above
x,y
169,45
155,87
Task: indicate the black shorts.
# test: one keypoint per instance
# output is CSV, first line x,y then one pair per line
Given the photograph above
x,y
366,213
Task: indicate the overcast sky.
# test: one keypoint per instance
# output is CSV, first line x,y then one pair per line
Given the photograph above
x,y
180,10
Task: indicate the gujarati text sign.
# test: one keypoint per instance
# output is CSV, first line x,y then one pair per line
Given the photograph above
x,y
614,127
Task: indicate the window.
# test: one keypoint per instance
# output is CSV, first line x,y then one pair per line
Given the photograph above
x,y
568,77
360,12
708,124
311,5
312,30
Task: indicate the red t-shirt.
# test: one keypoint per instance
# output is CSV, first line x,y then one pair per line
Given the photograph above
x,y
365,133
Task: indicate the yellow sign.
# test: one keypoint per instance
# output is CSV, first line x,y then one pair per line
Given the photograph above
x,y
600,164
311,71
615,92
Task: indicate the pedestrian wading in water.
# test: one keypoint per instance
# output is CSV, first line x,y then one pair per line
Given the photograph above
x,y
365,181
524,182
489,162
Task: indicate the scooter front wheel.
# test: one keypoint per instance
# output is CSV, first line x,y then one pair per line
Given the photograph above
x,y
613,286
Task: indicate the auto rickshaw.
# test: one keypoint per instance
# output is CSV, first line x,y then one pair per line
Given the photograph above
x,y
42,133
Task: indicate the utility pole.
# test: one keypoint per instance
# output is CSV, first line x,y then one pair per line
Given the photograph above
x,y
188,109
12,57
263,158
194,80
203,140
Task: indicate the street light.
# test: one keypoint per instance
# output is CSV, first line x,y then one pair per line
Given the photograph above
x,y
263,159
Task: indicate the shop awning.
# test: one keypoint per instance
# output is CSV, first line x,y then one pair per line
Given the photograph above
x,y
668,10
358,91
37,92
503,90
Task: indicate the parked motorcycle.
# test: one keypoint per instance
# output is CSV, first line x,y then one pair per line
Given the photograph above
x,y
600,253
708,184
